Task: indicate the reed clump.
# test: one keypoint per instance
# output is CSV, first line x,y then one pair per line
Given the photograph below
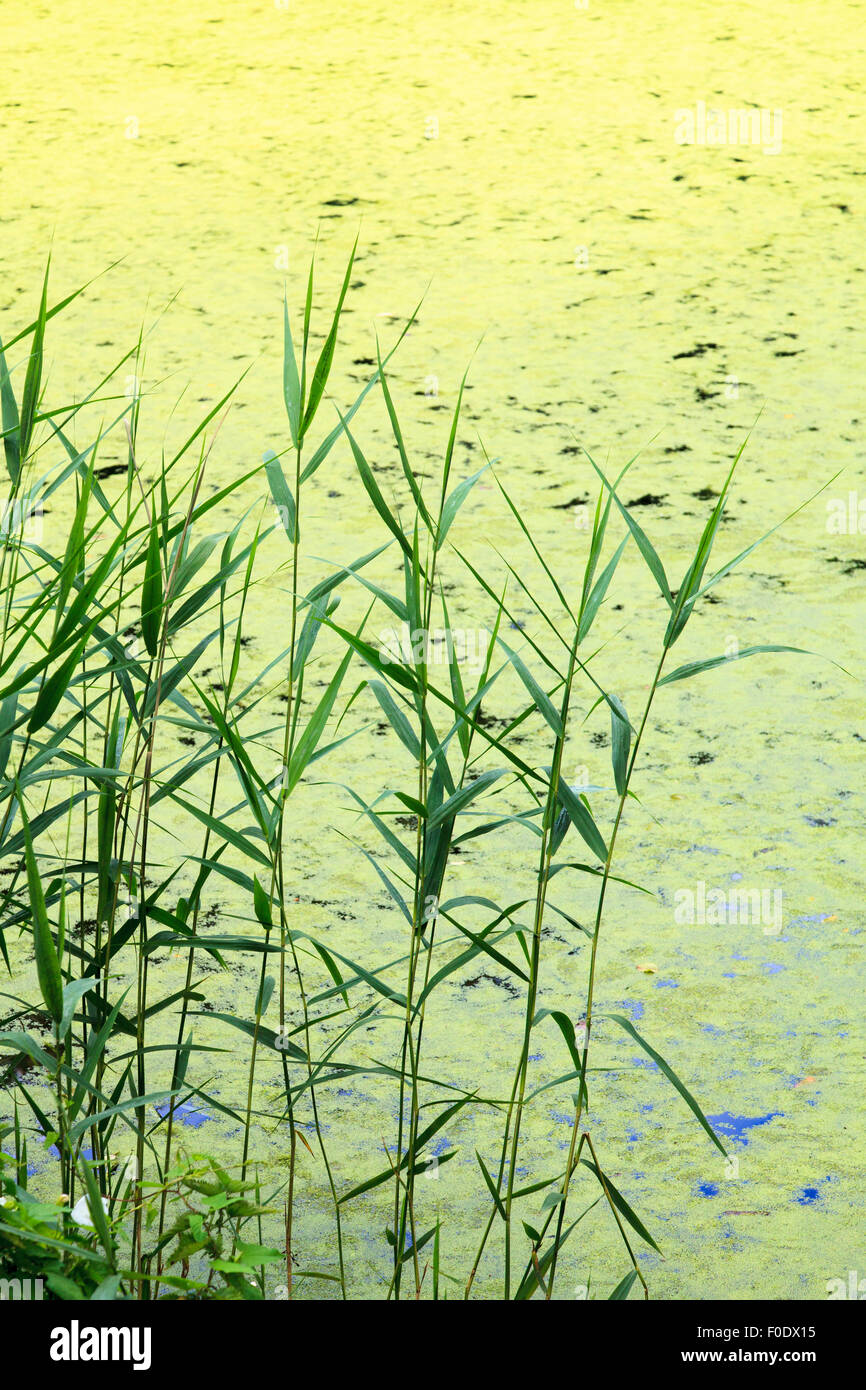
x,y
127,701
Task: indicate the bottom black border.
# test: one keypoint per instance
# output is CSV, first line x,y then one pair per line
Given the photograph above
x,y
200,1337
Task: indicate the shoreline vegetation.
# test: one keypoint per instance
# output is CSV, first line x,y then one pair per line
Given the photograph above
x,y
107,720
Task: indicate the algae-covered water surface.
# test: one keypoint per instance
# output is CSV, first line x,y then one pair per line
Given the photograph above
x,y
391,699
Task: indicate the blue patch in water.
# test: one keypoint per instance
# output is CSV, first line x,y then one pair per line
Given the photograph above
x,y
771,967
645,1063
186,1112
55,1153
808,1197
666,984
708,1189
633,1007
735,1126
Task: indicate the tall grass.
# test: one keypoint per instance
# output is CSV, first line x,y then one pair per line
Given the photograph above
x,y
138,797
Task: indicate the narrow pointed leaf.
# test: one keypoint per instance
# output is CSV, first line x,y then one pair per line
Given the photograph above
x,y
291,382
282,495
542,701
581,819
671,1075
47,963
151,589
695,668
326,357
620,742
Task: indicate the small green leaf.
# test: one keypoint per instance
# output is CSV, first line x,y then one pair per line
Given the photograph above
x,y
593,603
72,994
282,495
553,1199
619,1201
542,701
151,589
375,496
695,668
453,504
622,1289
396,718
644,545
47,964
262,904
9,417
291,383
491,1186
620,742
463,797
326,357
33,379
581,819
566,1028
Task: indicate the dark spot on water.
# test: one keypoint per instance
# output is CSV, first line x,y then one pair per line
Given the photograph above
x,y
708,1189
575,502
697,351
494,980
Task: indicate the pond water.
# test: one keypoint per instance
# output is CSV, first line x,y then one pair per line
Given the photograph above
x,y
552,175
